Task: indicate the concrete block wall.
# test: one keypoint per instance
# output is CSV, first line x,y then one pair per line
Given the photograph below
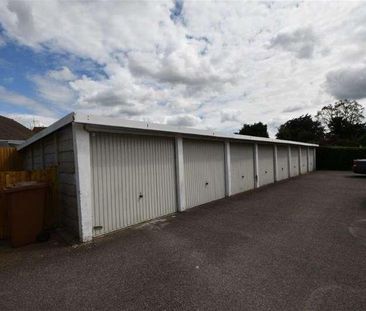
x,y
57,149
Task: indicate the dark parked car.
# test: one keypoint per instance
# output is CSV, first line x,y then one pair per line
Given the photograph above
x,y
359,166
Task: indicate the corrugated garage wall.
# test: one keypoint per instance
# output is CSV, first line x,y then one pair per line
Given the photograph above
x,y
133,179
242,167
204,171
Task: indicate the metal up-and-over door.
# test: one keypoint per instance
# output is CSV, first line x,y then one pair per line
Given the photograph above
x,y
304,160
204,171
282,162
242,167
265,164
311,159
294,161
133,179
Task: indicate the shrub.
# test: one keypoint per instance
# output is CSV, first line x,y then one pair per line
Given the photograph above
x,y
338,158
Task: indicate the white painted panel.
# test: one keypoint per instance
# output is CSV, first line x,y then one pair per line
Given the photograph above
x,y
304,161
133,179
282,162
227,156
265,164
294,161
204,171
179,167
83,181
242,167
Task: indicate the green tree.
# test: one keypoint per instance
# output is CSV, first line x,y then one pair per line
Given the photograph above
x,y
255,129
344,122
303,128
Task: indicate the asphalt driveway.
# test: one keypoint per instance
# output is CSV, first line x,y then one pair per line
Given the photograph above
x,y
296,245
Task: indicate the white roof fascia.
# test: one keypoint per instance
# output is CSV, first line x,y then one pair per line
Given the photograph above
x,y
154,127
128,124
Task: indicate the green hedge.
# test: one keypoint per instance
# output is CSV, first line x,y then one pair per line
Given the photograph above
x,y
338,158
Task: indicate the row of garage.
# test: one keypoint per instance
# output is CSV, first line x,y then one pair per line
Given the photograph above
x,y
134,175
126,174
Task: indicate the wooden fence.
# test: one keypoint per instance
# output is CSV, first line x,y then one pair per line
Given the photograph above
x,y
10,159
9,178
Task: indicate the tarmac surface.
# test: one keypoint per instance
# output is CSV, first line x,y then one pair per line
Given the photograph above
x,y
299,244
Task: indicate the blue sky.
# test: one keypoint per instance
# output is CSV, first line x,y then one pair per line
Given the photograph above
x,y
212,65
20,63
16,62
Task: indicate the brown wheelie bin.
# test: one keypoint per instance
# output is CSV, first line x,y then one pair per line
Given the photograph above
x,y
26,205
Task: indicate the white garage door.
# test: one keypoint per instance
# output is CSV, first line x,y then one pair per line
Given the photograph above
x,y
204,171
311,159
265,164
242,167
304,160
294,161
282,162
133,179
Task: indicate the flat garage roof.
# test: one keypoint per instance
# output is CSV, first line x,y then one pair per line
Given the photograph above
x,y
111,122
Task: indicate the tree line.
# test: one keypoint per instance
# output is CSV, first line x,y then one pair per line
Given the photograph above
x,y
338,124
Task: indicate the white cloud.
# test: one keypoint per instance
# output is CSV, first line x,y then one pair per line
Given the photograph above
x,y
53,91
347,83
183,120
63,74
18,100
301,42
230,116
203,64
54,87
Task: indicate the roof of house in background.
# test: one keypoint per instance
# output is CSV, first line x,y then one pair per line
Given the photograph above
x,y
37,129
12,130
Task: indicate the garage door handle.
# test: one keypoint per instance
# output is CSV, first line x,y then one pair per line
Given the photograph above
x,y
141,196
206,184
242,176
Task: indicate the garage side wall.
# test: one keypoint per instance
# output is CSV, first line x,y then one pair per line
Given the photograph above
x,y
57,149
